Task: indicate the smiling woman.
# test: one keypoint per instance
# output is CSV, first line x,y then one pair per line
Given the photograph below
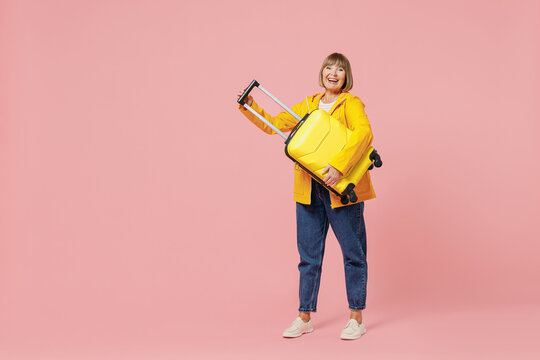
x,y
336,74
316,208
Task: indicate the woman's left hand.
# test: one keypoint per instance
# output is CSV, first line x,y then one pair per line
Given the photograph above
x,y
333,175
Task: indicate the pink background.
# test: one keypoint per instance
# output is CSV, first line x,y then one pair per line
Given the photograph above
x,y
143,217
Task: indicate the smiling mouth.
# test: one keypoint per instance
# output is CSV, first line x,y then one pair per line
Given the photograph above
x,y
333,81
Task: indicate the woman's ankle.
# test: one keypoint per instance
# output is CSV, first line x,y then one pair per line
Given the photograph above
x,y
357,315
305,316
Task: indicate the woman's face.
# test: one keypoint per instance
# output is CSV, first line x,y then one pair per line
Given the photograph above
x,y
333,77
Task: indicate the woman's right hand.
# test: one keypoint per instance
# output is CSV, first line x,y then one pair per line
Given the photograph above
x,y
248,99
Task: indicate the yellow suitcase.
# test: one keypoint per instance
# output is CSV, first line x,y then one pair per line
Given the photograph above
x,y
316,139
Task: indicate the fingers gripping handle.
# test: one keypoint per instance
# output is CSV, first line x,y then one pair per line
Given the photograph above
x,y
242,99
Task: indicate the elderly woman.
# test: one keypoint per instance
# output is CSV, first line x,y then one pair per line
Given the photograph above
x,y
317,208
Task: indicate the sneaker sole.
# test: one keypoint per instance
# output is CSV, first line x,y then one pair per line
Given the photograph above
x,y
353,337
295,336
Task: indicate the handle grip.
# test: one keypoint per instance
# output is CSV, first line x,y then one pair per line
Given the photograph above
x,y
242,98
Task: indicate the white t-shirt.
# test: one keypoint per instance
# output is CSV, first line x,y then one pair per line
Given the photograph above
x,y
326,107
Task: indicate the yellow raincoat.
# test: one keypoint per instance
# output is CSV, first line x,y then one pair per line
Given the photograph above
x,y
348,109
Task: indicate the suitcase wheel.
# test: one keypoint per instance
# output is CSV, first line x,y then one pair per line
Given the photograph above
x,y
376,158
344,200
353,196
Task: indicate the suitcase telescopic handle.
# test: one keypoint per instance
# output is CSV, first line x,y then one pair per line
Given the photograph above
x,y
242,99
254,83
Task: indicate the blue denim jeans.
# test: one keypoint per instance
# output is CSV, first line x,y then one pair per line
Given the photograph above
x,y
347,222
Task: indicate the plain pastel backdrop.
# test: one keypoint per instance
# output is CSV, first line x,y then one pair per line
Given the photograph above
x,y
142,216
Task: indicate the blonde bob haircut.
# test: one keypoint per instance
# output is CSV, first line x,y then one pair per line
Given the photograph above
x,y
341,61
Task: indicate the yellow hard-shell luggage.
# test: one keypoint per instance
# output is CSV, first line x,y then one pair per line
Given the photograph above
x,y
316,139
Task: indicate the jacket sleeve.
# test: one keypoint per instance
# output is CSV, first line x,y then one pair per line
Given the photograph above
x,y
360,137
283,121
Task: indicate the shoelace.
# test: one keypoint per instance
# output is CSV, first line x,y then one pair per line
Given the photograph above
x,y
298,323
352,324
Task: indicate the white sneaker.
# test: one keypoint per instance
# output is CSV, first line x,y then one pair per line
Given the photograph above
x,y
353,330
297,328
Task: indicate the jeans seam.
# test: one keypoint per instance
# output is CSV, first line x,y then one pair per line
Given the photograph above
x,y
319,271
358,217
